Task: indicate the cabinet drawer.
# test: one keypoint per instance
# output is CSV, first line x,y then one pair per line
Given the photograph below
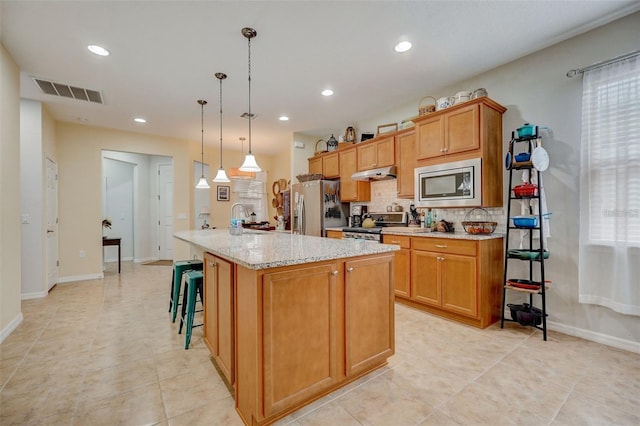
x,y
401,240
445,245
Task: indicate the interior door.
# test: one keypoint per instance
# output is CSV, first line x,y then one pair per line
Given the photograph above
x,y
165,211
52,223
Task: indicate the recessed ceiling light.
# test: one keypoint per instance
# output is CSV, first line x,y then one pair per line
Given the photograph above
x,y
98,50
327,92
139,120
283,118
403,46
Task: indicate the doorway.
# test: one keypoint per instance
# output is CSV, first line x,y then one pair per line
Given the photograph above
x,y
146,187
165,211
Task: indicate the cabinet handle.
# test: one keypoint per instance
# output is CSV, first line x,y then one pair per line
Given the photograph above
x,y
374,164
441,245
441,149
350,269
334,273
446,149
395,241
212,264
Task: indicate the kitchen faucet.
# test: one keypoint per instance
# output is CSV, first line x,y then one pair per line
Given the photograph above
x,y
244,210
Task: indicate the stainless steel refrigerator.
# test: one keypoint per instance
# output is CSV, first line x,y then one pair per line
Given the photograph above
x,y
316,206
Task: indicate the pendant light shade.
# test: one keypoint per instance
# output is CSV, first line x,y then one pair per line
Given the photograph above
x,y
221,176
249,164
236,173
202,183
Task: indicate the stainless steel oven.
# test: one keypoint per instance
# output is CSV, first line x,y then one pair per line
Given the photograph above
x,y
381,221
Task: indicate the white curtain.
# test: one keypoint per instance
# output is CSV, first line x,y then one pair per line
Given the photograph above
x,y
609,259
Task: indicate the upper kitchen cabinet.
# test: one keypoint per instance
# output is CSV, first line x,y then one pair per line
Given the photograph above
x,y
328,165
472,129
469,127
352,190
379,152
406,155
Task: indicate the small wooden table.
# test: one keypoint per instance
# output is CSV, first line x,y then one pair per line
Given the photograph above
x,y
113,242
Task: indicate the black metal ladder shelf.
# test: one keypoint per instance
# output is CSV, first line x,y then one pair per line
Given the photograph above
x,y
525,314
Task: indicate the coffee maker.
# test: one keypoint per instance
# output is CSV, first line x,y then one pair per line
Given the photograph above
x,y
357,212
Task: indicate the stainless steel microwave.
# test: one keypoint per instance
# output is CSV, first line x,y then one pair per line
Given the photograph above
x,y
455,184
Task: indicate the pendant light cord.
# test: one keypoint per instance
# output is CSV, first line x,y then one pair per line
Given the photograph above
x,y
220,78
250,115
202,104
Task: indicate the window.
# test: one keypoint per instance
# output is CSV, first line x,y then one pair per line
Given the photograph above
x,y
611,139
609,259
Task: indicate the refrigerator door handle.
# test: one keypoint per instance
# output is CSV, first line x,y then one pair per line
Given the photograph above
x,y
301,218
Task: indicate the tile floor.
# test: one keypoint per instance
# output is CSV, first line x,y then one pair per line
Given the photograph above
x,y
104,352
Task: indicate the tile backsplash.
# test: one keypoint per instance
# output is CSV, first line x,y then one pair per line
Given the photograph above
x,y
384,193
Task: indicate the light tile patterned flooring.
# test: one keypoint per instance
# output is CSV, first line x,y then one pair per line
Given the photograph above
x,y
104,352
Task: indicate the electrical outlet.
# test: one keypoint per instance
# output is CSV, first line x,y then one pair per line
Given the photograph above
x,y
83,254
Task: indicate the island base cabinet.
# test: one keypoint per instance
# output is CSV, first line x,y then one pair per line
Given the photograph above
x,y
304,331
369,314
301,334
218,313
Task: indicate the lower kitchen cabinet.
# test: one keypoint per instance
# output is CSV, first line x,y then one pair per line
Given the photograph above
x,y
458,279
218,315
402,276
334,234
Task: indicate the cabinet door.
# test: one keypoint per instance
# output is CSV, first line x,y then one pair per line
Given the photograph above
x,y
367,156
334,234
462,130
385,152
219,314
406,150
331,165
315,165
402,263
425,277
368,288
300,332
459,285
351,190
430,135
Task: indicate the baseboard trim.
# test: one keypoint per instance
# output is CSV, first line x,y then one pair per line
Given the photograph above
x,y
146,259
10,327
594,336
34,295
75,278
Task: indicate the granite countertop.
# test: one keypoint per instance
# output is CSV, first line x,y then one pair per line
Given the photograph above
x,y
420,232
267,249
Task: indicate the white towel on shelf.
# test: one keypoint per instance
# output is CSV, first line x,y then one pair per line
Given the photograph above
x,y
536,205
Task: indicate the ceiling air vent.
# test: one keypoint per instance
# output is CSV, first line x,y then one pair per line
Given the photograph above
x,y
66,91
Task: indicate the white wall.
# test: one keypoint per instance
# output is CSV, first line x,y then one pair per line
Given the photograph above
x,y
10,274
31,200
535,89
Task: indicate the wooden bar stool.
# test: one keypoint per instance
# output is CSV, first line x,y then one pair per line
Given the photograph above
x,y
192,286
179,268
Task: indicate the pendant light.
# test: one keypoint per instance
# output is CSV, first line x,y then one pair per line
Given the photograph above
x,y
236,173
221,177
249,164
202,183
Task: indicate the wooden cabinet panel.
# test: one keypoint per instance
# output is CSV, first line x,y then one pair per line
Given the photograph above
x,y
351,190
331,165
334,234
430,137
368,288
445,245
402,263
425,277
459,284
301,334
219,313
315,164
406,154
378,153
462,130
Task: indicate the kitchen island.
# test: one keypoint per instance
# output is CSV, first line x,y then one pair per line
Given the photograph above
x,y
291,318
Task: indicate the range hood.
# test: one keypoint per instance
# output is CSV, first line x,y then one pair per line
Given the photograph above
x,y
382,173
